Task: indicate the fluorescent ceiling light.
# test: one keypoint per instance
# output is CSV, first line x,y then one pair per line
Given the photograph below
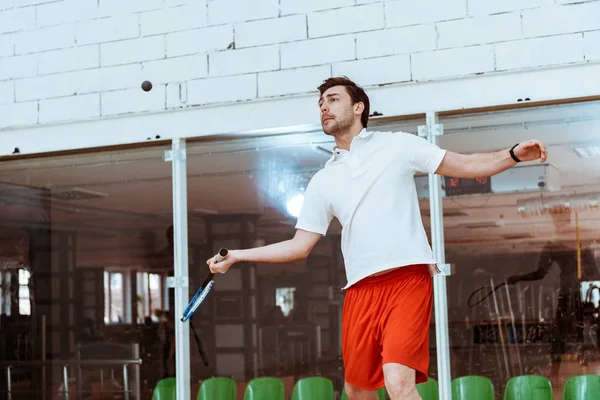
x,y
588,150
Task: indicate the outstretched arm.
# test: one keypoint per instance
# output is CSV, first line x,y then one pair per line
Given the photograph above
x,y
488,164
544,264
297,248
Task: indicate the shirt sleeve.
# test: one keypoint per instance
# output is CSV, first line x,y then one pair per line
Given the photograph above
x,y
422,155
315,215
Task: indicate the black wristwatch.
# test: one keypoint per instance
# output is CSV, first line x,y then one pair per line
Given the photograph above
x,y
512,153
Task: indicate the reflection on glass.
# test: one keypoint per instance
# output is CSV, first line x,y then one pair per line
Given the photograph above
x,y
523,298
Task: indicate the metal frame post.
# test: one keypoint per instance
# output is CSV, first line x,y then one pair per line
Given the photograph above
x,y
8,383
177,157
431,131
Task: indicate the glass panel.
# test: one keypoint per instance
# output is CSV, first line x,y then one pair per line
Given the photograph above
x,y
525,248
246,193
85,224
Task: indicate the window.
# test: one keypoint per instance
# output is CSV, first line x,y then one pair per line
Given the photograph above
x,y
24,295
284,298
151,302
116,297
7,280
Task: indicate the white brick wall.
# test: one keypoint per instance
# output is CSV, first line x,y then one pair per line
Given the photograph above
x,y
7,92
269,31
479,30
376,71
235,62
76,58
299,80
539,52
591,44
221,90
56,53
452,62
70,108
317,51
345,20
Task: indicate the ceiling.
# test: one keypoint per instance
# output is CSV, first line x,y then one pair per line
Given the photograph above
x,y
126,203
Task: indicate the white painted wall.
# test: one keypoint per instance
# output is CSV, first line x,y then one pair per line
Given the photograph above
x,y
80,60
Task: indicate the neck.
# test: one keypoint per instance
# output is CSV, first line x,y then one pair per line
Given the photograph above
x,y
343,140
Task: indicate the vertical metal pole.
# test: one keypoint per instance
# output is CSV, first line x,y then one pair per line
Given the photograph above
x,y
182,331
126,382
66,381
8,382
431,131
136,372
43,356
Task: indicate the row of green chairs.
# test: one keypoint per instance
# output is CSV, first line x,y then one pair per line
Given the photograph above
x,y
528,387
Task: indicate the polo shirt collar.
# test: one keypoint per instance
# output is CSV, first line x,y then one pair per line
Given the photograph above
x,y
339,153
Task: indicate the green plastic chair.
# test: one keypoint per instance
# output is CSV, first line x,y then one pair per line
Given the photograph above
x,y
165,390
217,388
265,388
582,387
382,393
528,387
312,388
429,390
472,387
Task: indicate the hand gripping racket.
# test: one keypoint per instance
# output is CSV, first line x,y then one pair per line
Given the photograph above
x,y
202,292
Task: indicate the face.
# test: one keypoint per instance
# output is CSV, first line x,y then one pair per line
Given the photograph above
x,y
338,113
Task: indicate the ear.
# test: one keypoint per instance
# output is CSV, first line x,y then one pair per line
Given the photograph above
x,y
359,108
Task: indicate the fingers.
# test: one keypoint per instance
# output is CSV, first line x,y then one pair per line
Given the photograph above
x,y
539,146
217,267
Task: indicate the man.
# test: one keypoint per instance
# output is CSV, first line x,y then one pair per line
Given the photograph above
x,y
368,184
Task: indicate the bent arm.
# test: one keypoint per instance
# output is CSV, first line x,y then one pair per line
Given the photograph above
x,y
297,248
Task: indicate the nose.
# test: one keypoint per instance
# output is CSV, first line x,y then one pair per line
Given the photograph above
x,y
324,108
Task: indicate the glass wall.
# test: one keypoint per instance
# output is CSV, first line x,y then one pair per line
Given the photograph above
x,y
280,320
525,248
85,246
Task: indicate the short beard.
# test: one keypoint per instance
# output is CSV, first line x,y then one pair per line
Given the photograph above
x,y
339,127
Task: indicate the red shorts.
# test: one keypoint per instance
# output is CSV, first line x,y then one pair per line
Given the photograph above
x,y
386,320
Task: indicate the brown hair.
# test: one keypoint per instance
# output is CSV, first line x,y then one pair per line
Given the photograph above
x,y
357,94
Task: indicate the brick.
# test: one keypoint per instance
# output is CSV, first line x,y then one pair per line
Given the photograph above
x,y
345,20
7,92
18,114
199,41
479,30
486,7
131,51
408,12
117,7
563,19
234,62
269,31
68,59
306,6
44,87
69,108
107,29
228,11
109,78
573,1
375,71
173,19
17,19
6,4
452,62
52,38
67,11
221,90
133,100
176,94
591,44
7,45
369,1
317,51
395,41
25,3
176,69
539,52
18,67
299,80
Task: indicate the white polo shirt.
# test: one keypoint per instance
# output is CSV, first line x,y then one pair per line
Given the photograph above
x,y
371,190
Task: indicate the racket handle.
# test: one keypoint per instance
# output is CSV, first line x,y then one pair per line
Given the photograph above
x,y
221,255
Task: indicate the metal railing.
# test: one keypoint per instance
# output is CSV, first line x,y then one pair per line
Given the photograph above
x,y
124,363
